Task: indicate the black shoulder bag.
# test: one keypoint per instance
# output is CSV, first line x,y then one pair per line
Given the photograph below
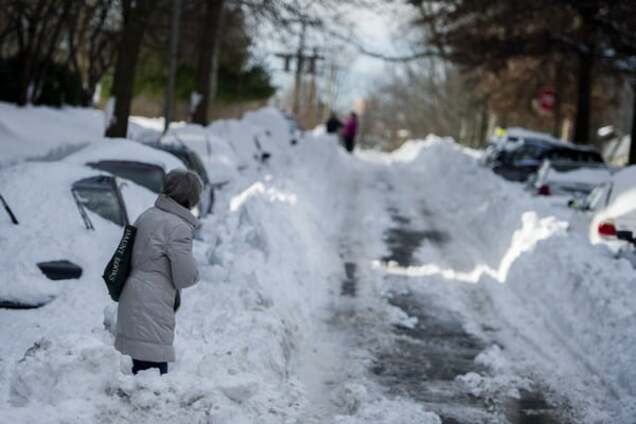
x,y
118,268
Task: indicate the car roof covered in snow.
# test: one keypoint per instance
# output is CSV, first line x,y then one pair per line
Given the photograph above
x,y
525,133
544,139
124,150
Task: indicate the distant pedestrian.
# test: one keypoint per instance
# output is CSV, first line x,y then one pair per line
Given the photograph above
x,y
333,124
349,132
162,265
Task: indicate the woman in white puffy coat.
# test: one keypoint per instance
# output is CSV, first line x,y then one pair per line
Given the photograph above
x,y
162,265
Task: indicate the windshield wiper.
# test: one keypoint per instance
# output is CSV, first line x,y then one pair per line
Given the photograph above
x,y
14,220
82,211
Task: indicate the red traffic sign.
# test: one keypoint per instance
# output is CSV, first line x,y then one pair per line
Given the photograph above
x,y
547,100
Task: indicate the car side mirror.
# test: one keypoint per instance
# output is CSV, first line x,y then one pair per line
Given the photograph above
x,y
60,270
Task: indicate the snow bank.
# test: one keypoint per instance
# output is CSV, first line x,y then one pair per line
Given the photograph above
x,y
266,264
220,157
37,131
566,295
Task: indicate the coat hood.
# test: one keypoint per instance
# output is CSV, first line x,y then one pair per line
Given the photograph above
x,y
167,204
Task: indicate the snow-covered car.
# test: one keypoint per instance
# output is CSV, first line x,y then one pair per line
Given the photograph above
x,y
521,153
498,148
216,153
61,222
608,214
251,146
566,180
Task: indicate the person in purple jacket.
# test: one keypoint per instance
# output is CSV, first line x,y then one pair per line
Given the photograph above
x,y
349,132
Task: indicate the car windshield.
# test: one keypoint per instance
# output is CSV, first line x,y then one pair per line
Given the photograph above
x,y
526,152
146,175
102,200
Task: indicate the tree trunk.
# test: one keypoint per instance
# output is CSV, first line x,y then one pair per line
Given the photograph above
x,y
208,49
135,20
483,124
24,81
584,94
88,94
632,144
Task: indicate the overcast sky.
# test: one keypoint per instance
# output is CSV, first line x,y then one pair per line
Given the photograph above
x,y
383,31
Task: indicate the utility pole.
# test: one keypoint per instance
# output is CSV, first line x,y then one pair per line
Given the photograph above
x,y
174,45
300,57
313,100
299,67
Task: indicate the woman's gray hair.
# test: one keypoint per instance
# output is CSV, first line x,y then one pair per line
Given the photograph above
x,y
184,187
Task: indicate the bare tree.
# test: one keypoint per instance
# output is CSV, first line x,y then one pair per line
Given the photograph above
x,y
207,53
489,33
35,29
136,15
92,41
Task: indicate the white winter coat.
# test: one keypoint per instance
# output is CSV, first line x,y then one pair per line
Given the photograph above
x,y
162,263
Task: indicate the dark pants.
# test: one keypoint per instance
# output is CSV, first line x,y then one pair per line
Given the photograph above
x,y
349,143
146,365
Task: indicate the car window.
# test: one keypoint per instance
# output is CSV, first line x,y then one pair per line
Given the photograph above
x,y
592,157
103,202
573,155
526,153
146,175
560,155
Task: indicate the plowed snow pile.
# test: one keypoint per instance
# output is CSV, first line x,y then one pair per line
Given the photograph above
x,y
265,258
574,304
